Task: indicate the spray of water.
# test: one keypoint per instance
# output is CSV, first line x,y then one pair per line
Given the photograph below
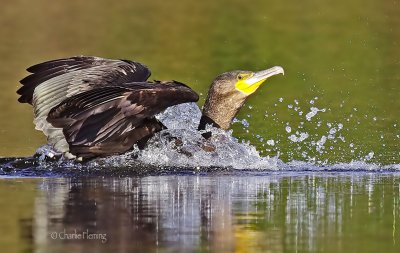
x,y
181,145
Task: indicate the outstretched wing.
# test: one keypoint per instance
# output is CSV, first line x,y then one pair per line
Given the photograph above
x,y
52,82
110,120
79,73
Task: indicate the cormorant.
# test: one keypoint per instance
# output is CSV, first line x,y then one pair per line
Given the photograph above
x,y
90,106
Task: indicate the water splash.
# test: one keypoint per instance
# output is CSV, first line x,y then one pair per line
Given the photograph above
x,y
310,138
189,149
313,112
298,137
182,146
189,115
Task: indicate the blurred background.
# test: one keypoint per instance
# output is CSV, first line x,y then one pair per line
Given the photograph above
x,y
338,101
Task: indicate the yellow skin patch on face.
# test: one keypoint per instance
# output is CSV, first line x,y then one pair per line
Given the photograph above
x,y
243,86
248,82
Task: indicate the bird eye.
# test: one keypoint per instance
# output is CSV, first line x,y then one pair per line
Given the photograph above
x,y
239,77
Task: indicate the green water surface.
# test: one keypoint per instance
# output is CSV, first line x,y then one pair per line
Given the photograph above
x,y
342,56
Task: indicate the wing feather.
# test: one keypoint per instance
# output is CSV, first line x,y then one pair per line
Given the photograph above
x,y
53,81
111,119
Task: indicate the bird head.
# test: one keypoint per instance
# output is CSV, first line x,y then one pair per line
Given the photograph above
x,y
248,82
229,91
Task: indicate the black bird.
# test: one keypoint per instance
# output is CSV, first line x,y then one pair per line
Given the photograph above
x,y
90,106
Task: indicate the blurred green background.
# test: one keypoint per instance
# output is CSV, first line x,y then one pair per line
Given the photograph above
x,y
341,56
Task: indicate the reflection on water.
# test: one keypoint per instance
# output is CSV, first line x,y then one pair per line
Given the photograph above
x,y
240,213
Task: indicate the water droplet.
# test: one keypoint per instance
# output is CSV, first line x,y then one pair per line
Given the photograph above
x,y
300,138
369,156
271,142
313,112
245,123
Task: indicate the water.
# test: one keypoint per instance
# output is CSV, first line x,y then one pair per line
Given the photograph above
x,y
347,63
312,161
275,212
182,146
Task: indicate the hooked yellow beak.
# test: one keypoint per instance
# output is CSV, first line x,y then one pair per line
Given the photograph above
x,y
250,84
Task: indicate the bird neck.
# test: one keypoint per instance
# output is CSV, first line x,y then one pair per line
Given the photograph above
x,y
219,110
204,121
